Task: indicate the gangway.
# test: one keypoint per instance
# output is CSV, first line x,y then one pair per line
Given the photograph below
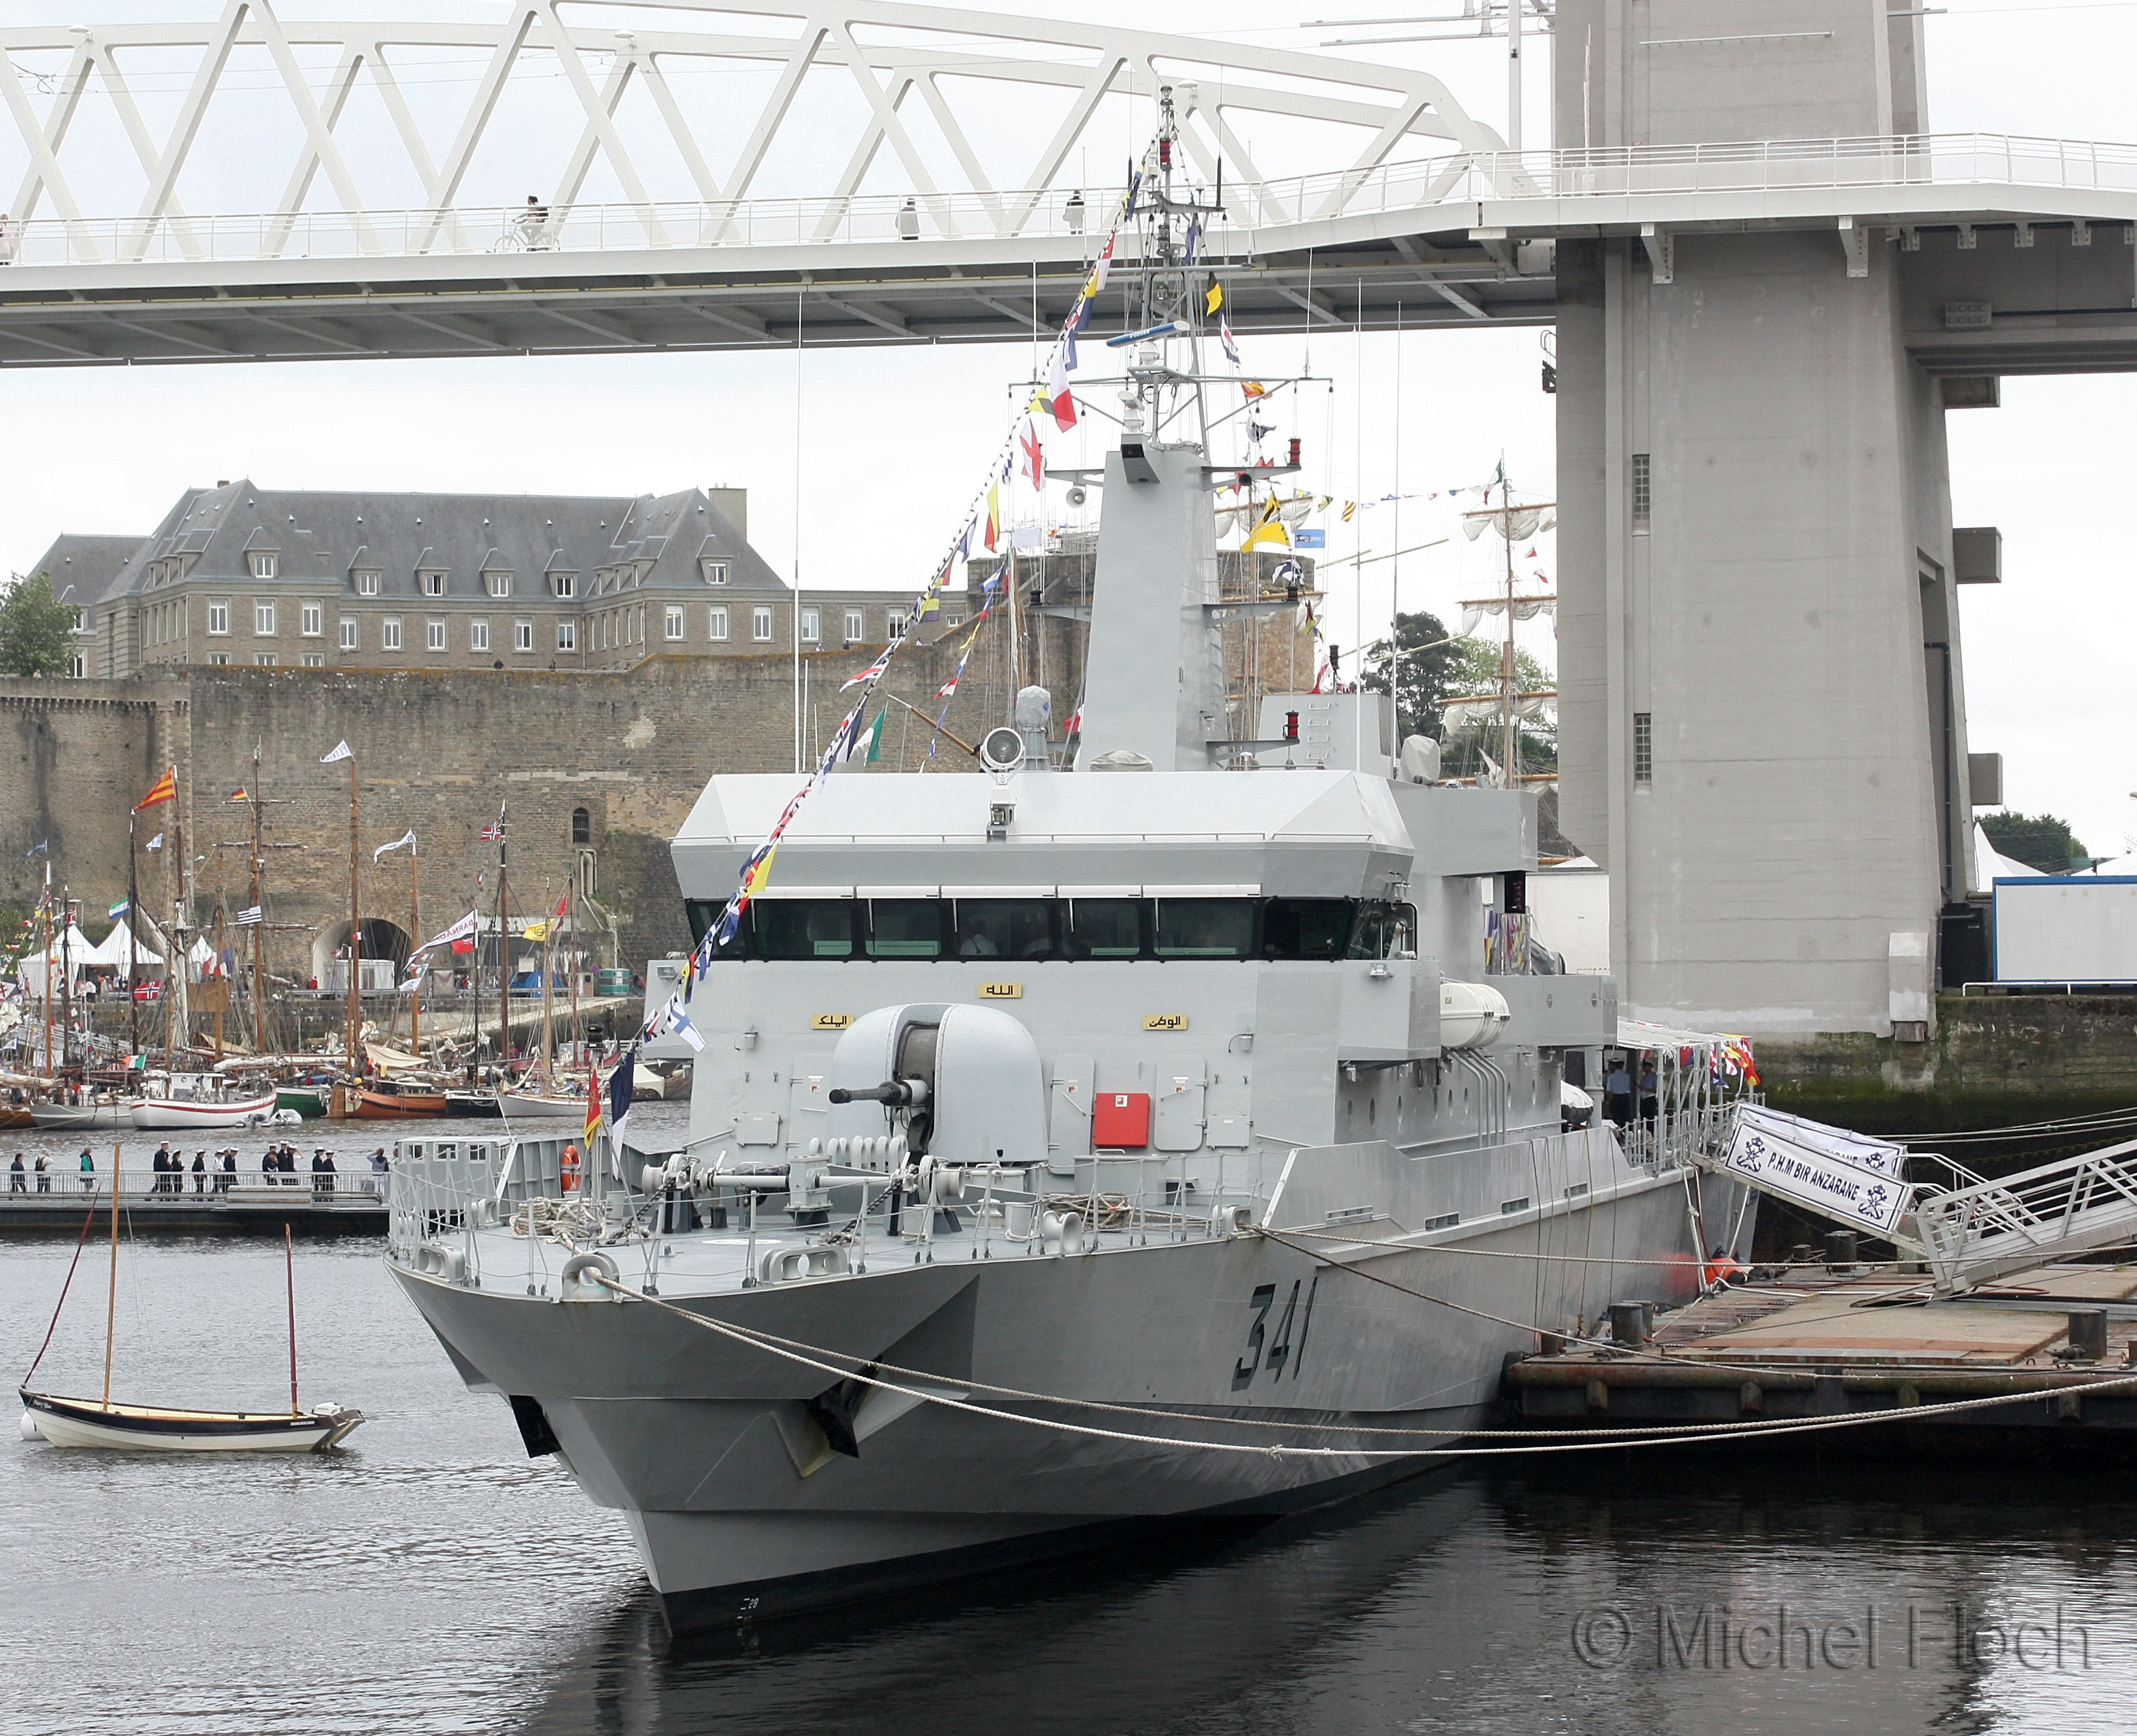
x,y
1967,1235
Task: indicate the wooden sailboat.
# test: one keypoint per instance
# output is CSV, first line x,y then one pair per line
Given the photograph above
x,y
67,1421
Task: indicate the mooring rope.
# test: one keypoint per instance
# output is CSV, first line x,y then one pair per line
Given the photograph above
x,y
793,1350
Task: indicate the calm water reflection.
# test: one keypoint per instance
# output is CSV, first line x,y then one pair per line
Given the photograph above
x,y
431,1579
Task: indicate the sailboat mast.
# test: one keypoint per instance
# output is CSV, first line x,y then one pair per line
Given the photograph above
x,y
133,940
178,1021
259,923
548,959
355,1013
111,1296
289,1284
415,937
66,977
1506,664
49,1071
571,952
503,962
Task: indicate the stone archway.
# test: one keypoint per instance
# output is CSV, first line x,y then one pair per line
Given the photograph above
x,y
382,940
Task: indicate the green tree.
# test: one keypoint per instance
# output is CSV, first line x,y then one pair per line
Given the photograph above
x,y
37,629
2039,840
1429,659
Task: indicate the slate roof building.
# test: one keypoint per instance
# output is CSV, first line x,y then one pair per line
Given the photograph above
x,y
282,578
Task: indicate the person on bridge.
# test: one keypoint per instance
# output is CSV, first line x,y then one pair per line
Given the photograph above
x,y
533,225
18,1177
161,1163
378,1172
200,1171
44,1174
228,1179
7,239
88,1171
908,222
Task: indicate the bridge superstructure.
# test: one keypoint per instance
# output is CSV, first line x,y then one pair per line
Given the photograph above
x,y
1769,279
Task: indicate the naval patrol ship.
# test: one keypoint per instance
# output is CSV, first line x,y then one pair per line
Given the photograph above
x,y
1082,1147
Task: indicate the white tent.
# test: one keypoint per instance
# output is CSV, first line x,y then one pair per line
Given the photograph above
x,y
71,953
112,952
1989,866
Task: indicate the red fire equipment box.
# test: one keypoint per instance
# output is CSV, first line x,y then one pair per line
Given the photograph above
x,y
1120,1121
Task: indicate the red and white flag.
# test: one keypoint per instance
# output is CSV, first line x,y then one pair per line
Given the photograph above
x,y
1058,398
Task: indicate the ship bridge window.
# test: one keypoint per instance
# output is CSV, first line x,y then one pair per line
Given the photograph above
x,y
1384,931
1203,928
803,928
1004,928
1306,928
1104,928
905,928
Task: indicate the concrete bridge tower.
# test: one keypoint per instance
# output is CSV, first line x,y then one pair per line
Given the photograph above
x,y
1762,705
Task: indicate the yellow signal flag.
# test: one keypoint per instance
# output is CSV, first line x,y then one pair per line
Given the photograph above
x,y
1214,299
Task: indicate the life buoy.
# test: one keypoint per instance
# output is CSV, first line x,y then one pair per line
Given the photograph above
x,y
568,1167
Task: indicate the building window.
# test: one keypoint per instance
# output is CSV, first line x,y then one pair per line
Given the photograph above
x,y
716,572
522,635
434,635
564,584
82,620
367,584
263,566
389,634
1643,747
315,659
500,583
218,615
1644,493
760,624
897,626
856,627
218,659
719,626
478,635
348,632
263,617
953,621
265,660
312,620
78,666
583,826
671,622
812,625
568,635
432,584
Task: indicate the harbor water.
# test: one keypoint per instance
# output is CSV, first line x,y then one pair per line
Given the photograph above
x,y
431,1577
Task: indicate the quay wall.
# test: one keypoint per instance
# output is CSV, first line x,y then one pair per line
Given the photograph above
x,y
435,752
1993,1061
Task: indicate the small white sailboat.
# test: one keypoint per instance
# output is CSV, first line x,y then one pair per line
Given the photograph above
x,y
69,1421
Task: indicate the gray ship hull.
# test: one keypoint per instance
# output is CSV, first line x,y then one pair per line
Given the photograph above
x,y
742,1512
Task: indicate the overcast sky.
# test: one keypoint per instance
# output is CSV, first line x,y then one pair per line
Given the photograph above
x,y
892,439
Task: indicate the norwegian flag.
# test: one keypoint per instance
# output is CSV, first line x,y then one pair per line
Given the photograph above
x,y
874,669
494,832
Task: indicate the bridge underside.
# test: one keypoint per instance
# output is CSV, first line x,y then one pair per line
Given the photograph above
x,y
701,299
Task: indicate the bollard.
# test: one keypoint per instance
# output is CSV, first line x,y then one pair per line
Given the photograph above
x,y
2088,1334
1839,1248
1551,1344
1631,1323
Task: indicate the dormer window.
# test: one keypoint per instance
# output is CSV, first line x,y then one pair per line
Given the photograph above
x,y
263,564
367,584
716,572
430,584
499,583
563,584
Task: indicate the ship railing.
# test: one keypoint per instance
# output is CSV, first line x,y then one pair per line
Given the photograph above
x,y
140,1184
